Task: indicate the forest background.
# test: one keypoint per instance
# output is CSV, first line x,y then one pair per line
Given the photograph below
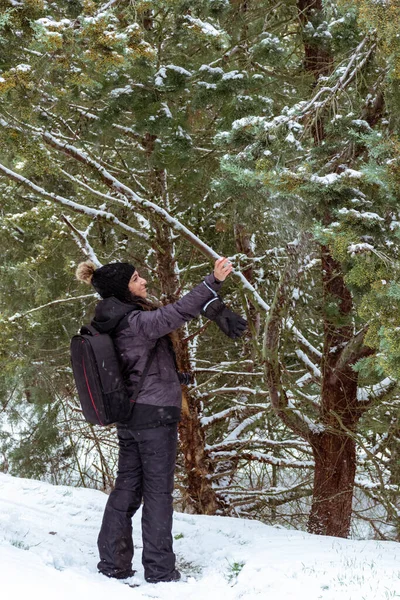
x,y
166,134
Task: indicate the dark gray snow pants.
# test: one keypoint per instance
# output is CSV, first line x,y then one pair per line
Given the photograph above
x,y
145,471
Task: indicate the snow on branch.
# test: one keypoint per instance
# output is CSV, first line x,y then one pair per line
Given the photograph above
x,y
128,131
303,341
376,391
304,358
245,373
237,444
275,495
266,459
205,421
205,27
289,323
347,76
304,380
233,435
117,199
81,208
234,390
113,183
315,428
52,303
303,110
81,238
95,192
120,187
104,7
366,484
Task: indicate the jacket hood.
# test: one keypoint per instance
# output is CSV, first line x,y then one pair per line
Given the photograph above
x,y
110,312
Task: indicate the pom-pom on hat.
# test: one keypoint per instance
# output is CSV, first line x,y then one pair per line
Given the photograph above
x,y
85,270
109,280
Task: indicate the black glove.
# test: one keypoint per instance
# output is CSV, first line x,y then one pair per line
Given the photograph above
x,y
229,322
185,378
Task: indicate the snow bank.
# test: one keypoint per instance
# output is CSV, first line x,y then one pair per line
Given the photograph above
x,y
48,549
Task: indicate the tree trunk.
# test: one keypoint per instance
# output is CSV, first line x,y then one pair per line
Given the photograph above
x,y
334,448
199,492
335,469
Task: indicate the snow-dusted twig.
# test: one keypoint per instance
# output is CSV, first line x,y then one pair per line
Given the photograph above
x,y
223,414
266,459
233,435
286,494
118,199
52,303
280,401
312,400
343,80
81,208
376,391
245,373
106,6
234,390
366,484
191,267
181,229
83,243
311,366
113,183
237,444
129,131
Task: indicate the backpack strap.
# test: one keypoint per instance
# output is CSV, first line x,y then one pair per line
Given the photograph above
x,y
123,323
145,371
89,330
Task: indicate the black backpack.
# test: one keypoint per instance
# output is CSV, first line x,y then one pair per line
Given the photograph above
x,y
102,393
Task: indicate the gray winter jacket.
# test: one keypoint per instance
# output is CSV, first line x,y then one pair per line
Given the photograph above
x,y
160,398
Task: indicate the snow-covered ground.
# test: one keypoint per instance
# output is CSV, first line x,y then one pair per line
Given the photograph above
x,y
48,550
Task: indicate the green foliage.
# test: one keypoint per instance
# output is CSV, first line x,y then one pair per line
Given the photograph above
x,y
234,570
384,18
369,370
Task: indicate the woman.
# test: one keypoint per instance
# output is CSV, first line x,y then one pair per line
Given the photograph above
x,y
148,440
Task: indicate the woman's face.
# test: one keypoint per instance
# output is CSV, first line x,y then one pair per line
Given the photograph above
x,y
137,285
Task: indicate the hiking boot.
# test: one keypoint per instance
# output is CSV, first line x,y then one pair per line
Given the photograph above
x,y
175,576
119,574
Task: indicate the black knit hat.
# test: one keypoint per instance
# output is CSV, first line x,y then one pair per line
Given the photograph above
x,y
113,280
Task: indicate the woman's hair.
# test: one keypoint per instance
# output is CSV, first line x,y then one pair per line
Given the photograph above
x,y
85,270
143,303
